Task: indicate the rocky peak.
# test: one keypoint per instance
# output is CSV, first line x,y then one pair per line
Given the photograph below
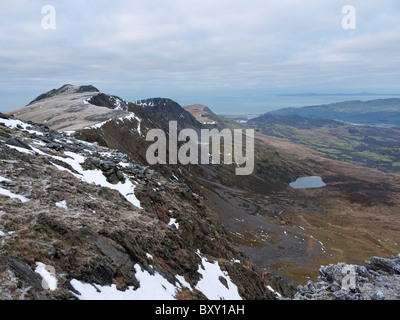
x,y
70,108
65,89
379,279
108,101
168,110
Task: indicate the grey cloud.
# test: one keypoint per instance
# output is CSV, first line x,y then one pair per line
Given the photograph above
x,y
201,45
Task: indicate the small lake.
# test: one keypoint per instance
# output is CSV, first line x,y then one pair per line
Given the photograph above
x,y
308,182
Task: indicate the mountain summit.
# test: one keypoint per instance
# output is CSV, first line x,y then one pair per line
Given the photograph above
x,y
71,107
65,89
168,110
68,108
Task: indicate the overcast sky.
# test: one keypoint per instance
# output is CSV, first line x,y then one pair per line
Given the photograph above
x,y
194,50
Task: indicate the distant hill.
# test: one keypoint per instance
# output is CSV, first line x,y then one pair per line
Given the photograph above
x,y
71,108
208,118
291,120
374,147
379,112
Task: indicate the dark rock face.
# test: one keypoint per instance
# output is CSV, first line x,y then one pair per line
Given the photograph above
x,y
282,286
109,168
25,272
379,279
108,101
88,88
18,143
168,110
390,266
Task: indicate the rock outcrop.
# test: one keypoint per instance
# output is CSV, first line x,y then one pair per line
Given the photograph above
x,y
166,110
90,221
379,279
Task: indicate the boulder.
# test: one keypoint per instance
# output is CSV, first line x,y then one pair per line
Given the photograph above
x,y
18,143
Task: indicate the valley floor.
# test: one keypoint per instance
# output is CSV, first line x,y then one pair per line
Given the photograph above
x,y
294,231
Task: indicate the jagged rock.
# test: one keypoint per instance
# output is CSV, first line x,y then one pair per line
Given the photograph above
x,y
391,266
25,272
54,146
48,225
106,165
168,110
112,178
281,285
4,116
377,295
120,175
379,279
18,143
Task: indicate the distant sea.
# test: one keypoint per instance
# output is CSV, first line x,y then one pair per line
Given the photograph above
x,y
254,105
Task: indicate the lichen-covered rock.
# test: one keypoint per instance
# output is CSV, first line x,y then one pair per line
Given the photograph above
x,y
379,279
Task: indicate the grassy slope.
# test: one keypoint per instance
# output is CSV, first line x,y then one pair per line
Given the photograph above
x,y
377,148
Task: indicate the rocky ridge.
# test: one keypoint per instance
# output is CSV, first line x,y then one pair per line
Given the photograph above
x,y
167,110
379,279
166,195
104,225
68,108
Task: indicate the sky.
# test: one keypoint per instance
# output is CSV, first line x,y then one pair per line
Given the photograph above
x,y
227,54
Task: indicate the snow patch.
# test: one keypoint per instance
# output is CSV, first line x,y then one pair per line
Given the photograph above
x,y
2,179
145,104
124,164
96,177
149,256
210,284
49,278
17,124
21,150
12,195
156,287
98,125
68,133
62,204
273,291
173,222
152,287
